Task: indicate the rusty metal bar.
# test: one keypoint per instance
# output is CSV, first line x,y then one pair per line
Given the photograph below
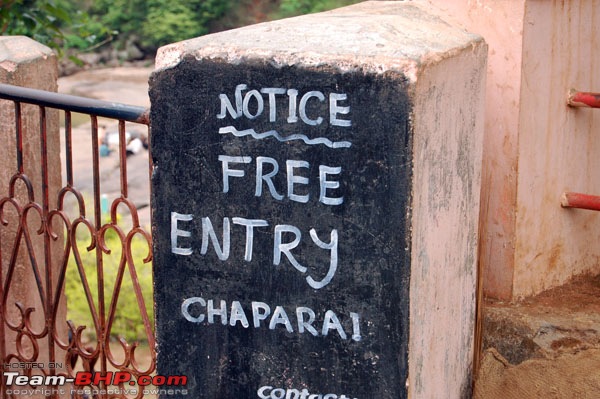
x,y
19,137
580,201
99,258
71,103
583,99
49,312
69,148
123,158
44,152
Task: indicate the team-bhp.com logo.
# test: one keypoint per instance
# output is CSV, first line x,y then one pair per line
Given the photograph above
x,y
117,383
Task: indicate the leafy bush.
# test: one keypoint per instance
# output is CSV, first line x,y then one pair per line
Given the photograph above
x,y
41,20
124,17
288,8
149,24
58,24
158,22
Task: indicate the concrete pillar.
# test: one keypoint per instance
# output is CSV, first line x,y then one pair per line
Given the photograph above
x,y
24,62
536,147
315,206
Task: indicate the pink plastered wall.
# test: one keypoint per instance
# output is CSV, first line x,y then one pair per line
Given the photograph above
x,y
535,146
559,146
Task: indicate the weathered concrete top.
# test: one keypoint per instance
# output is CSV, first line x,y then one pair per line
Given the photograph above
x,y
368,39
18,49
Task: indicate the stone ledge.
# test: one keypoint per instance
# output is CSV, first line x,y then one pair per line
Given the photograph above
x,y
561,320
571,375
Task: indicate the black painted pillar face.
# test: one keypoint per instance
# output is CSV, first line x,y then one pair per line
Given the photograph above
x,y
280,205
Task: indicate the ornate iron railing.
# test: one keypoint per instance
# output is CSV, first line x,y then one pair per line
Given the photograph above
x,y
50,231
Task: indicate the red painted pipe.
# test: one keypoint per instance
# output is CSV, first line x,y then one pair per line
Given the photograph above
x,y
583,99
581,201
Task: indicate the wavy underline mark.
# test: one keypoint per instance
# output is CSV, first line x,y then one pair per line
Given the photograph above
x,y
275,134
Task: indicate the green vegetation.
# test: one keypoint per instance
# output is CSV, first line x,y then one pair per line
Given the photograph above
x,y
59,24
41,20
78,26
154,23
128,322
288,8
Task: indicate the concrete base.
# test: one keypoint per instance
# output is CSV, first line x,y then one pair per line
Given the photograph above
x,y
24,62
573,375
565,319
544,345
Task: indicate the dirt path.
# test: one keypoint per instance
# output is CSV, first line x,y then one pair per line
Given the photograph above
x,y
127,85
568,376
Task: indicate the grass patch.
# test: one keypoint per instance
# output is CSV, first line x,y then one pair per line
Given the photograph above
x,y
77,119
127,321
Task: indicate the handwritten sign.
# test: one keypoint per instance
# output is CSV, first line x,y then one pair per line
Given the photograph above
x,y
281,248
